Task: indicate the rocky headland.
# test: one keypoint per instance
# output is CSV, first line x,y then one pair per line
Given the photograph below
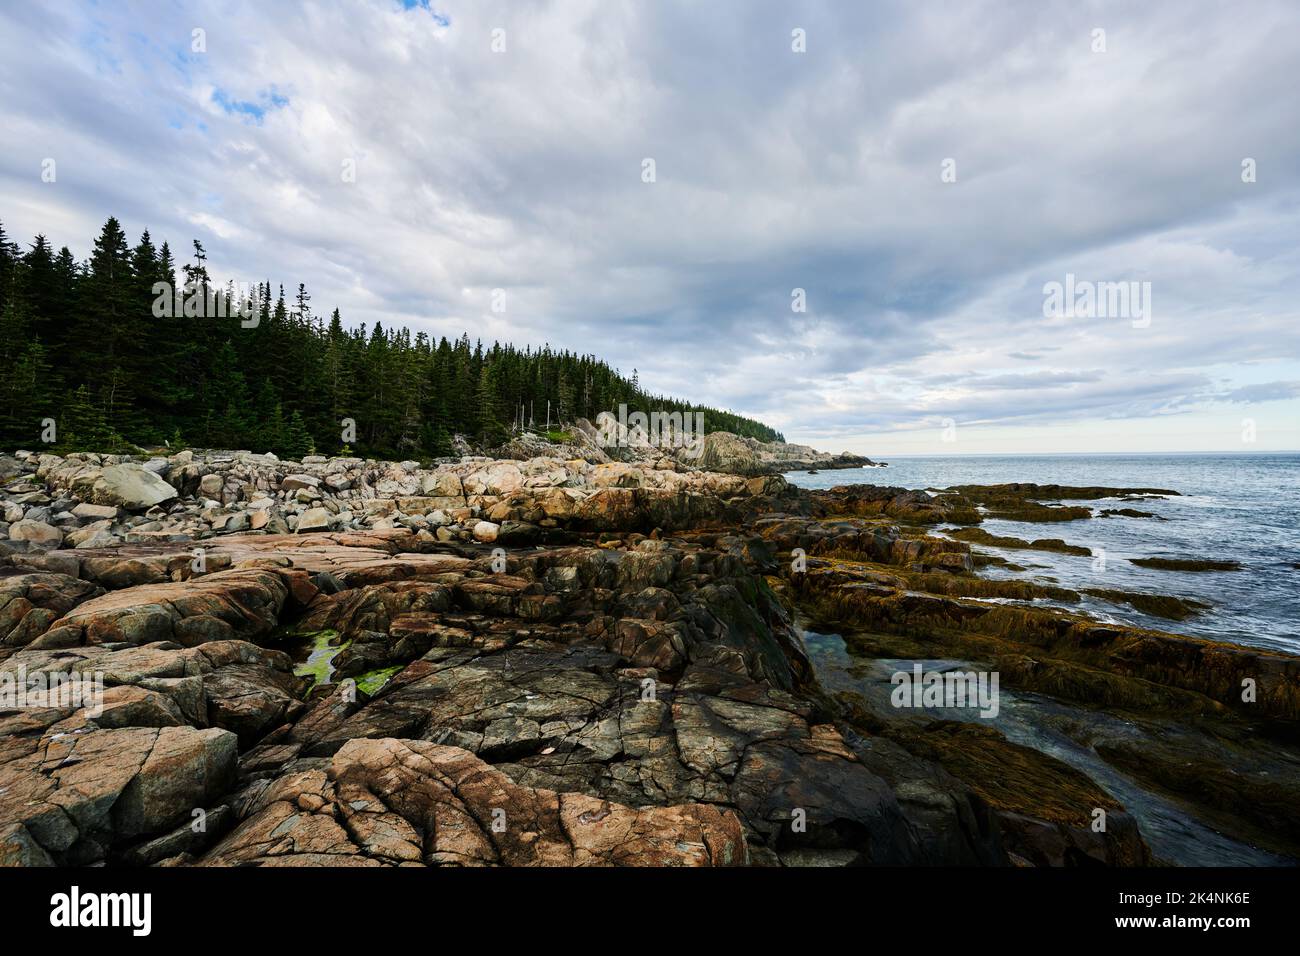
x,y
607,441
584,661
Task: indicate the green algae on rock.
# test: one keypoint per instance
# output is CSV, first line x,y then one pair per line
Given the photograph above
x,y
323,647
372,681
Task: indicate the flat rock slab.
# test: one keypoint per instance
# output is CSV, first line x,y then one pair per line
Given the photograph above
x,y
220,606
393,802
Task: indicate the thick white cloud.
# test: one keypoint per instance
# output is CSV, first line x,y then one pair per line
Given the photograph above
x,y
522,170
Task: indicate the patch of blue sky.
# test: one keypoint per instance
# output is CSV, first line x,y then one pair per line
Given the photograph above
x,y
98,45
254,110
439,18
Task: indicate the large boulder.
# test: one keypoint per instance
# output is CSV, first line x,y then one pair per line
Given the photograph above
x,y
131,487
97,534
296,482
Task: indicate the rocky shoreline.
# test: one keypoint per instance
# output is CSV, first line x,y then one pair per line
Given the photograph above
x,y
551,661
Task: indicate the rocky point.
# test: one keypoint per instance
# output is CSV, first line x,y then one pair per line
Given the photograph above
x,y
564,661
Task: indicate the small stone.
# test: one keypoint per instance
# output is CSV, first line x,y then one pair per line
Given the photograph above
x,y
235,523
99,529
295,482
96,512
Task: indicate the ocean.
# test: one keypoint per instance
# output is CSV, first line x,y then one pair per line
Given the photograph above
x,y
1231,507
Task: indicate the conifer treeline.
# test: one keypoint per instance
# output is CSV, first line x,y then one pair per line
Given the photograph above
x,y
80,344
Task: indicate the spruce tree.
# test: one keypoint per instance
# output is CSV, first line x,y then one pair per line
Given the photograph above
x,y
82,426
297,441
228,393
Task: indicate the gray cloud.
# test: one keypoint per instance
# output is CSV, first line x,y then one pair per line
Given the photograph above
x,y
1264,392
775,171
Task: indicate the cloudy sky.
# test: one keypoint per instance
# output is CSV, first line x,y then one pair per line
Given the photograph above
x,y
920,170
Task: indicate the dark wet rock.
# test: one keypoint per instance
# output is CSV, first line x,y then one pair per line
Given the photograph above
x,y
839,804
1036,492
1213,669
1158,605
1022,501
189,838
980,536
861,540
1048,811
927,578
901,504
250,698
1249,785
1185,564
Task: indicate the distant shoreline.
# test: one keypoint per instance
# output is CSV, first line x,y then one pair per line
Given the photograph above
x,y
1105,454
